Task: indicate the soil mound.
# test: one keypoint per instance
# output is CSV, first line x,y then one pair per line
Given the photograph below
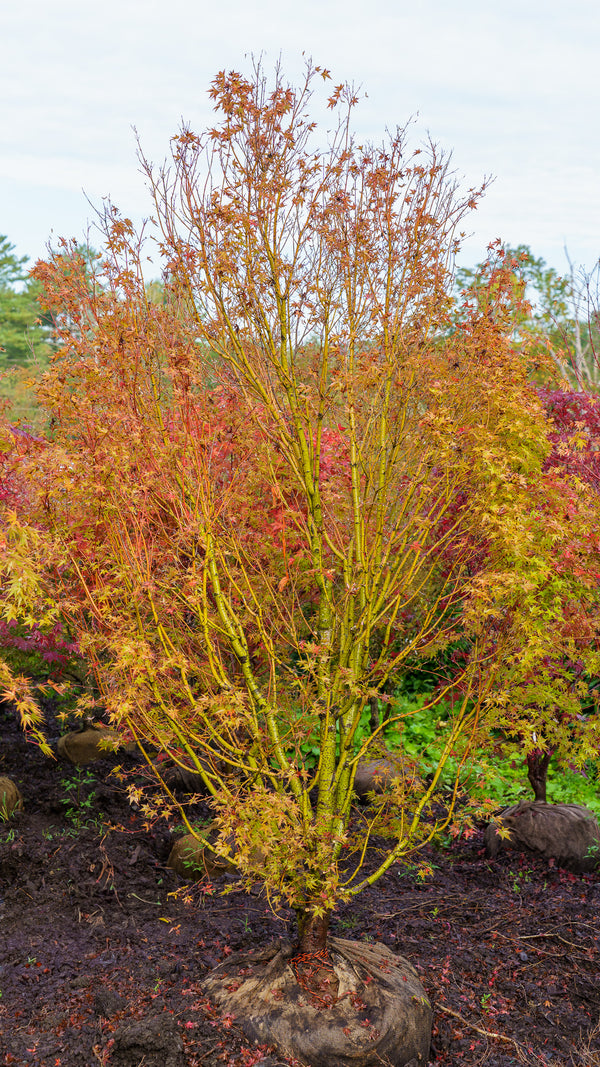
x,y
193,860
153,1042
380,1015
378,775
567,833
87,746
10,798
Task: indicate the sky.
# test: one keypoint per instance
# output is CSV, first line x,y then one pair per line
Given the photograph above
x,y
511,88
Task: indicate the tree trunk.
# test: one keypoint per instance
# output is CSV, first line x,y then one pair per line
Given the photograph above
x,y
313,932
374,720
537,772
312,966
376,717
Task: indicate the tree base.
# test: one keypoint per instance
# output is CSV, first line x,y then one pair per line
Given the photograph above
x,y
380,1012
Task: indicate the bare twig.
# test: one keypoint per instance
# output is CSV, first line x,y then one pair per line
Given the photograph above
x,y
484,1033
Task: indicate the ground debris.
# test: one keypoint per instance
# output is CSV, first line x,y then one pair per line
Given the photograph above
x,y
507,949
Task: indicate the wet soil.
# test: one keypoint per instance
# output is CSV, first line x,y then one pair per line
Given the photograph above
x,y
103,948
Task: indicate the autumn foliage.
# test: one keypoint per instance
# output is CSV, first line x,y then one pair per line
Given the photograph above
x,y
263,497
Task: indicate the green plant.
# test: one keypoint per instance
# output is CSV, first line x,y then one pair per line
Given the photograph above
x,y
496,773
79,798
350,922
198,827
592,851
419,870
520,878
502,778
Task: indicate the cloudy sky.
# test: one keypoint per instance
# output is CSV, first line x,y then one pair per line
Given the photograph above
x,y
512,88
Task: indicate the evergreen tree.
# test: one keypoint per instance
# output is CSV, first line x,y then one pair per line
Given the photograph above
x,y
24,329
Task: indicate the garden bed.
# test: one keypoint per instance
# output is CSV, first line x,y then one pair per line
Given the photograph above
x,y
94,936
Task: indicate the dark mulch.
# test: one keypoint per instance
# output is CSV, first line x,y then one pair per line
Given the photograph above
x,y
94,938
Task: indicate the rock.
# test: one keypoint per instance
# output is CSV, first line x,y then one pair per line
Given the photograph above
x,y
10,798
376,776
86,746
381,1014
567,833
191,859
153,1042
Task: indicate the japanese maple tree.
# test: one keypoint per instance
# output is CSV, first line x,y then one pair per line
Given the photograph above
x,y
546,687
263,495
570,731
